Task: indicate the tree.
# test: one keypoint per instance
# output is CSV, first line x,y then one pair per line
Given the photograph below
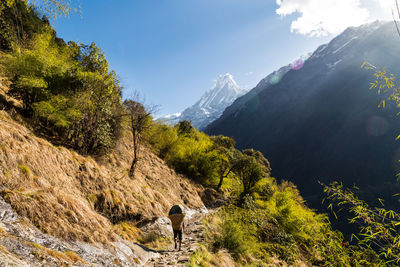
x,y
68,90
185,127
139,122
259,157
101,107
225,147
19,19
250,167
54,8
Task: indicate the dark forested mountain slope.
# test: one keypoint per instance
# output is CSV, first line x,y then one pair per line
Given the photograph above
x,y
321,122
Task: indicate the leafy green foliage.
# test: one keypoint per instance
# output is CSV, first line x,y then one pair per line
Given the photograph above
x,y
54,8
225,147
384,84
380,228
250,166
233,237
67,89
281,226
59,111
39,70
20,19
185,127
18,23
185,149
207,159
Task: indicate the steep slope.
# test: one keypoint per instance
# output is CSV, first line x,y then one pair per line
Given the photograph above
x,y
320,122
79,199
270,80
211,104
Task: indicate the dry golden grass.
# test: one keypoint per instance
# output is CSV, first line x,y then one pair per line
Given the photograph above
x,y
128,231
59,215
67,257
25,170
154,241
79,198
203,257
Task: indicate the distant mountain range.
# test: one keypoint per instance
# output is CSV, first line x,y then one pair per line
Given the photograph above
x,y
317,120
211,104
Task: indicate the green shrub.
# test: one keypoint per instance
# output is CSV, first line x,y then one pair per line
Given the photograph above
x,y
186,150
234,239
264,189
68,90
201,258
282,227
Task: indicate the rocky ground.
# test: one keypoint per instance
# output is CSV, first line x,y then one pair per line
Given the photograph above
x,y
192,237
22,244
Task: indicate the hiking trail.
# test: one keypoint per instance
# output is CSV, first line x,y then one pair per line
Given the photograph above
x,y
193,235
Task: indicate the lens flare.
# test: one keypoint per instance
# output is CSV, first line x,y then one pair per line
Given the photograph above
x,y
252,105
305,57
276,78
297,64
396,161
377,126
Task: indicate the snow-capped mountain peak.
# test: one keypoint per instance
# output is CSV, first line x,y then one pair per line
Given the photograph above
x,y
225,89
211,104
226,80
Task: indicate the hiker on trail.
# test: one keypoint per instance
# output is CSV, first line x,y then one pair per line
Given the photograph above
x,y
177,217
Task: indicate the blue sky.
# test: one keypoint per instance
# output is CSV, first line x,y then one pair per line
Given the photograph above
x,y
172,50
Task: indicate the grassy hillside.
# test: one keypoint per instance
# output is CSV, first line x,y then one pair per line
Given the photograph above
x,y
78,198
66,154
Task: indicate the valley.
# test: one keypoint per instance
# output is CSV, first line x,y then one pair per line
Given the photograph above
x,y
299,171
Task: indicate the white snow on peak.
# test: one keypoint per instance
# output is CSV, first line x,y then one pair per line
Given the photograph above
x,y
349,36
225,89
169,116
170,119
226,80
344,45
212,103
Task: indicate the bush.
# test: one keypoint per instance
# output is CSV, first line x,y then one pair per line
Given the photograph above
x,y
234,239
206,159
68,90
185,149
281,227
264,189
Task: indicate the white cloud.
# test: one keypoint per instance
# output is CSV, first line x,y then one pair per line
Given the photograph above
x,y
386,4
323,17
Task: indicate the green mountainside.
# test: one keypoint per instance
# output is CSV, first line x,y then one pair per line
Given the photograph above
x,y
87,178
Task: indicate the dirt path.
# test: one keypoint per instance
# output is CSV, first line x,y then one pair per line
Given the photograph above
x,y
192,237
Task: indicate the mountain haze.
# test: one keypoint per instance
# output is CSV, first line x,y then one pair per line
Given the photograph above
x,y
320,122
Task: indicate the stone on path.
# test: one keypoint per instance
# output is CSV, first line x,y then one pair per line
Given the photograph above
x,y
192,237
